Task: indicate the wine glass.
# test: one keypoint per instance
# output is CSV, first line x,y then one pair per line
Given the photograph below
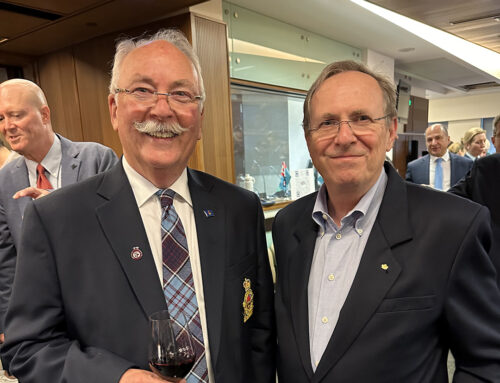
x,y
171,351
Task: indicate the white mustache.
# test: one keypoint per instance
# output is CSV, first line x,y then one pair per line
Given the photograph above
x,y
159,129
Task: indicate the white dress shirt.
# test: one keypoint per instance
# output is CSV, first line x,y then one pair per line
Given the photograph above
x,y
150,210
446,165
52,164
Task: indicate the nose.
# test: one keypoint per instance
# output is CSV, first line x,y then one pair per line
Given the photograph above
x,y
162,107
345,135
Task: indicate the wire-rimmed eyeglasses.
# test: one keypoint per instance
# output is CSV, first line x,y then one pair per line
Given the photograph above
x,y
359,125
148,97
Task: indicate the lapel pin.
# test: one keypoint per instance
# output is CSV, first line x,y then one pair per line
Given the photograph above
x,y
136,253
209,213
384,267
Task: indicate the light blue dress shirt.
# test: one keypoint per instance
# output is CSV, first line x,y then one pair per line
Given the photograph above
x,y
337,254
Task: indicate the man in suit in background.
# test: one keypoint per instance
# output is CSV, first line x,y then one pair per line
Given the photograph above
x,y
440,168
25,124
378,278
109,267
482,185
495,138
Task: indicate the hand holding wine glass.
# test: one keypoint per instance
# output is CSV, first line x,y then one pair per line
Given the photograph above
x,y
142,376
171,351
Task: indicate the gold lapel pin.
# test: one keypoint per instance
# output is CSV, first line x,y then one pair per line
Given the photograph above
x,y
384,267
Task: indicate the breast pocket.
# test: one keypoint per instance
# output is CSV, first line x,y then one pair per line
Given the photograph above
x,y
244,268
407,304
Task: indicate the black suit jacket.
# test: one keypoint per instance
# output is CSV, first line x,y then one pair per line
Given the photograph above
x,y
482,185
439,292
80,303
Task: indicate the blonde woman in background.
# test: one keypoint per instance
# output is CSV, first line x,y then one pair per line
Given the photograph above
x,y
474,142
457,148
6,155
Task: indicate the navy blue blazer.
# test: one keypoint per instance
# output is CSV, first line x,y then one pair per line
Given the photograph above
x,y
417,171
397,324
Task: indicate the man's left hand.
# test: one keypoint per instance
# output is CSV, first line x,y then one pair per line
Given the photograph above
x,y
32,192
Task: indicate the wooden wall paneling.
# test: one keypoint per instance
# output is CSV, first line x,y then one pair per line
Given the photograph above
x,y
93,60
210,43
56,76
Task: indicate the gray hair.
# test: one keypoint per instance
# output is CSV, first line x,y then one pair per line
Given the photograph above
x,y
172,36
444,129
387,86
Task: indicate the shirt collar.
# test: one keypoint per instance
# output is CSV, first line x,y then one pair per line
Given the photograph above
x,y
320,209
445,157
52,160
143,189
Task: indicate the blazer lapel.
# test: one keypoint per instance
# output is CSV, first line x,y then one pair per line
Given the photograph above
x,y
121,223
211,226
372,280
426,169
70,164
20,180
298,278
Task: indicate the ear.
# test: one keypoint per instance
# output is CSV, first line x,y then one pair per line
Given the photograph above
x,y
45,113
202,114
112,110
393,135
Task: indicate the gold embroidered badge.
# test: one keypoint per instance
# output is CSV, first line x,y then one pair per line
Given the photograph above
x,y
247,300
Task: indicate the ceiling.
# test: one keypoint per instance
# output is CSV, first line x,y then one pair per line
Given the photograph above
x,y
424,65
36,27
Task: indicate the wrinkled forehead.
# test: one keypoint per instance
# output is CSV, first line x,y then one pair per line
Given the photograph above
x,y
158,60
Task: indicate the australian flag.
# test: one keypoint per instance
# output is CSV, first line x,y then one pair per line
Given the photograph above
x,y
284,178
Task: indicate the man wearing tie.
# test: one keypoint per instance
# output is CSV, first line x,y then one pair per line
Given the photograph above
x,y
378,278
48,161
147,235
440,168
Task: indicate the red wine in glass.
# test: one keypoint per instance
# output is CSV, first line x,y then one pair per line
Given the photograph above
x,y
171,351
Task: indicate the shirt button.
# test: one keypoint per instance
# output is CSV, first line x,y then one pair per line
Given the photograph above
x,y
325,217
317,364
324,320
360,231
338,235
331,277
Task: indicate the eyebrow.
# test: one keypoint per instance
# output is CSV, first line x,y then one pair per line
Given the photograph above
x,y
150,81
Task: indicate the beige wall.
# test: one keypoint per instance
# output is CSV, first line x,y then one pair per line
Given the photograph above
x,y
464,108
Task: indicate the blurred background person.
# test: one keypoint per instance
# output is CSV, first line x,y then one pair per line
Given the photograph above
x,y
495,138
457,148
6,155
440,168
474,141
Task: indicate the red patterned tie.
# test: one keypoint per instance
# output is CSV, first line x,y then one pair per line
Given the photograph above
x,y
42,181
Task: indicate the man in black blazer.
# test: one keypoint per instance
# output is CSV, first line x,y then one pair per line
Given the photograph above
x,y
377,278
482,185
423,169
90,263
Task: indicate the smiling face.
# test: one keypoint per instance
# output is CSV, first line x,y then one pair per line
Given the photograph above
x,y
24,120
350,163
157,66
437,140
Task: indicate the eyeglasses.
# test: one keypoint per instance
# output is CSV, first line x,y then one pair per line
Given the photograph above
x,y
148,97
359,125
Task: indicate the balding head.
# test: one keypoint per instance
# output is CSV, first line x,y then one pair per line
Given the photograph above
x,y
25,118
437,140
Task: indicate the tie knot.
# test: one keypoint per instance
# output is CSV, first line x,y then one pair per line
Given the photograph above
x,y
40,169
166,197
439,159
